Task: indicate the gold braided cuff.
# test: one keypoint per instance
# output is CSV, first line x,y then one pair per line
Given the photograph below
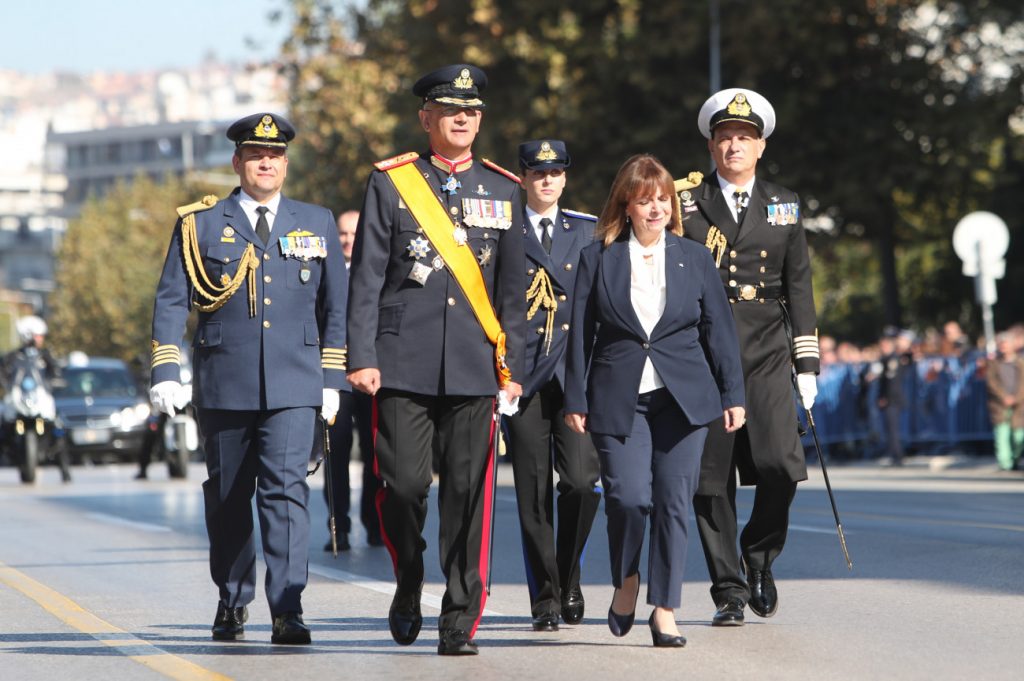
x,y
165,354
334,358
716,243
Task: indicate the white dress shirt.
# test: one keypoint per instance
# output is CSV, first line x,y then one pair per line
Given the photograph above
x,y
534,217
647,293
249,206
730,189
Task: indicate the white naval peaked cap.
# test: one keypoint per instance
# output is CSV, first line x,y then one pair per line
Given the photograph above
x,y
736,104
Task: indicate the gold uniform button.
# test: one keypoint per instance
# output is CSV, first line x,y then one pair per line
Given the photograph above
x,y
540,330
565,327
202,341
227,259
762,270
266,301
266,256
562,297
732,282
529,271
647,346
266,324
267,279
455,210
732,254
764,254
732,268
568,266
451,302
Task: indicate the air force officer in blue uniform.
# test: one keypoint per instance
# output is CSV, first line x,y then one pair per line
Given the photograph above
x,y
653,358
268,278
540,440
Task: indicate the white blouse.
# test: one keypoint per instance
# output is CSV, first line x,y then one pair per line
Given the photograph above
x,y
647,293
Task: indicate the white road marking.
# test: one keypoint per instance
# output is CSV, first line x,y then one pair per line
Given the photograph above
x,y
819,530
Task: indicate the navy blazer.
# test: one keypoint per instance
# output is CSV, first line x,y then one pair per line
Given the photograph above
x,y
571,232
293,348
693,346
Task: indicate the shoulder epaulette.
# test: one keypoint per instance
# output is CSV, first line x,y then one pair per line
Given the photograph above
x,y
577,214
208,202
691,181
496,168
396,161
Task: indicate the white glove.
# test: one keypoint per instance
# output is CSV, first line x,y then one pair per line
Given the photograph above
x,y
808,387
505,407
332,400
168,395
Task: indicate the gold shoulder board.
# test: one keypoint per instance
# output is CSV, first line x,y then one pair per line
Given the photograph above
x,y
208,202
395,161
507,173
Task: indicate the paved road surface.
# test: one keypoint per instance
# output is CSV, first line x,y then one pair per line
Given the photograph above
x,y
106,578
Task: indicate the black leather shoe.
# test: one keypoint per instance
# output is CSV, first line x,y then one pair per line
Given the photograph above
x,y
343,544
289,629
764,598
661,640
456,642
729,614
572,605
621,624
547,621
404,618
227,625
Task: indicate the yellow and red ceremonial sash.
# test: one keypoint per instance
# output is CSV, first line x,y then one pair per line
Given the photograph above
x,y
432,218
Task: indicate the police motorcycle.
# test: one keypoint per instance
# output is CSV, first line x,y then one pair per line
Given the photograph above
x,y
32,432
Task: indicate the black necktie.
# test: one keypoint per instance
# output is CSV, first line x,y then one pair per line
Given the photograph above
x,y
262,226
545,235
741,204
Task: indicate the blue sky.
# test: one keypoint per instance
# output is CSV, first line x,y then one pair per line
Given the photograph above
x,y
131,35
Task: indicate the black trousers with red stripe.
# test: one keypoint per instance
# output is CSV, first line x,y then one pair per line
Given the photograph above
x,y
412,431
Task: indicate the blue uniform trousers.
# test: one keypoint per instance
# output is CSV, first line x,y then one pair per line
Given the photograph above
x,y
261,452
651,472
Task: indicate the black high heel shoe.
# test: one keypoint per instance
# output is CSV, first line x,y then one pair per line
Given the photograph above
x,y
661,640
621,624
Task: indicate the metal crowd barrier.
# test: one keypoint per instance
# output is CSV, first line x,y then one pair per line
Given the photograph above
x,y
945,407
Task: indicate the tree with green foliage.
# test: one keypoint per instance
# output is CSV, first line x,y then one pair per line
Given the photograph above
x,y
108,267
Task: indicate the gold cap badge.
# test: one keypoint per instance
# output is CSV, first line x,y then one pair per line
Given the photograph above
x,y
738,106
546,153
464,81
266,128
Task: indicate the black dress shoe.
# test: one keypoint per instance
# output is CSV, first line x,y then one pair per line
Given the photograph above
x,y
621,624
661,640
227,625
289,629
729,614
764,598
404,618
572,605
456,642
343,544
547,621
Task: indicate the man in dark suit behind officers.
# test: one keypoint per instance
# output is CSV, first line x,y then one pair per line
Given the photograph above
x,y
436,329
540,440
752,228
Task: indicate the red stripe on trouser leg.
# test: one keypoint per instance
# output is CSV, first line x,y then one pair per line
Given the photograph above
x,y
485,535
382,493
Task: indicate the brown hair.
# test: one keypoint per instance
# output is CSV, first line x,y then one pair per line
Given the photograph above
x,y
641,175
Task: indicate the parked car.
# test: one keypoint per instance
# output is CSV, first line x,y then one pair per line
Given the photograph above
x,y
104,411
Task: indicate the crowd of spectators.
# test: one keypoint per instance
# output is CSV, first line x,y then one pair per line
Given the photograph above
x,y
929,393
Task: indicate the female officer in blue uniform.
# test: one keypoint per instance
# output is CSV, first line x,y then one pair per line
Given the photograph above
x,y
653,358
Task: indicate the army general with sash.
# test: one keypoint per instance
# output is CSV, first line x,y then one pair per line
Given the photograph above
x,y
540,440
268,280
436,322
752,228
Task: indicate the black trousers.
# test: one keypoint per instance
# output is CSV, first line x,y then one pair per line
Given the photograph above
x,y
411,430
354,407
762,538
541,443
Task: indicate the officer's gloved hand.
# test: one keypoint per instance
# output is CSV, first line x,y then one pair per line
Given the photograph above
x,y
332,400
165,396
808,386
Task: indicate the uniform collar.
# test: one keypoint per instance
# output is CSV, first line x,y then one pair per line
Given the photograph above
x,y
728,187
250,204
451,167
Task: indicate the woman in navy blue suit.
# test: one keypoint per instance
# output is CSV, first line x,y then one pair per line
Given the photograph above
x,y
652,359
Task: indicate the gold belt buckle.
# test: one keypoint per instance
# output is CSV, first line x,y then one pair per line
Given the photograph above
x,y
747,292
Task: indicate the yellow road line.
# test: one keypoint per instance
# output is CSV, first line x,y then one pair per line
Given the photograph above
x,y
134,648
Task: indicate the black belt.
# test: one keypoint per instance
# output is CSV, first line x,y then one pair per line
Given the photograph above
x,y
748,292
